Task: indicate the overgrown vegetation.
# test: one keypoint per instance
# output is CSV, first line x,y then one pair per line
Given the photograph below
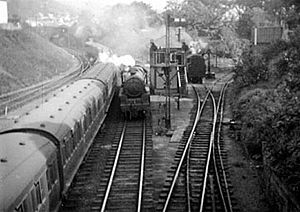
x,y
27,59
267,81
64,37
268,91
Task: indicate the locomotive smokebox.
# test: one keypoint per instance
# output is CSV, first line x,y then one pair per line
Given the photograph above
x,y
134,87
134,82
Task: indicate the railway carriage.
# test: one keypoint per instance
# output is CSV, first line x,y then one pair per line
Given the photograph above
x,y
25,159
42,152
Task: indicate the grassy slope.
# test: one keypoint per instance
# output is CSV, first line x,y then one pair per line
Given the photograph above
x,y
26,59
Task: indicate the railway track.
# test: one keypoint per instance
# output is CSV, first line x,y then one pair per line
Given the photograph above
x,y
123,187
16,99
117,171
198,181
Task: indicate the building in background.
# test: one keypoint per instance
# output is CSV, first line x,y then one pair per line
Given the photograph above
x,y
3,12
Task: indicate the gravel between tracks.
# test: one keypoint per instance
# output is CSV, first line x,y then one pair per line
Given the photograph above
x,y
164,146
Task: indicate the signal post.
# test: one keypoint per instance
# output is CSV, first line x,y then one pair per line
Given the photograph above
x,y
178,22
165,64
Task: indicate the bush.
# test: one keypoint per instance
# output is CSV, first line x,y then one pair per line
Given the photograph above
x,y
282,139
253,109
250,70
270,117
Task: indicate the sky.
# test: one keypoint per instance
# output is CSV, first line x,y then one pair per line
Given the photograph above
x,y
156,4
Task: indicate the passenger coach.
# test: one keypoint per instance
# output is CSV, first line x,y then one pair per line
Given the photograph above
x,y
41,153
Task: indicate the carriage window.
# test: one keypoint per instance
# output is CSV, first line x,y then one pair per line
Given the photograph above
x,y
77,133
70,146
68,149
34,199
105,92
38,193
73,142
89,116
43,186
84,123
51,174
54,172
80,130
99,104
64,157
48,179
28,204
94,110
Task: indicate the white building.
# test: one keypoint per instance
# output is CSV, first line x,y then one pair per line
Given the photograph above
x,y
3,12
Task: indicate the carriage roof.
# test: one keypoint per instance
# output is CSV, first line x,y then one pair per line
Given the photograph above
x,y
61,112
23,159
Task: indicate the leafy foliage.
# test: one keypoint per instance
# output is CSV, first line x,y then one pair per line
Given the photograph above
x,y
250,70
253,109
234,46
287,61
244,25
281,135
287,10
204,16
270,116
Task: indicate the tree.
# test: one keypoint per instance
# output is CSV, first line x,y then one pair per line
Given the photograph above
x,y
286,10
244,25
204,16
174,8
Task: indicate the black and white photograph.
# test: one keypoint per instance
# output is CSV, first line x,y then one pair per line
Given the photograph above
x,y
149,105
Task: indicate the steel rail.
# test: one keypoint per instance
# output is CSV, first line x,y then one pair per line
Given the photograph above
x,y
22,96
45,85
214,157
219,150
188,158
212,135
113,169
17,97
117,157
139,208
17,92
199,110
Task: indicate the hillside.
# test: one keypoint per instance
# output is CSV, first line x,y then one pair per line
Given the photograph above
x,y
27,58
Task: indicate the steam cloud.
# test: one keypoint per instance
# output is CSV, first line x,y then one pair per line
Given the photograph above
x,y
127,29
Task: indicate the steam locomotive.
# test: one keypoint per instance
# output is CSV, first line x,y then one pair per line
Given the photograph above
x,y
134,93
41,153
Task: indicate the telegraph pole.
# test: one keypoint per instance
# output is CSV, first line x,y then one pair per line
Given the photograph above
x,y
178,34
167,74
177,22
